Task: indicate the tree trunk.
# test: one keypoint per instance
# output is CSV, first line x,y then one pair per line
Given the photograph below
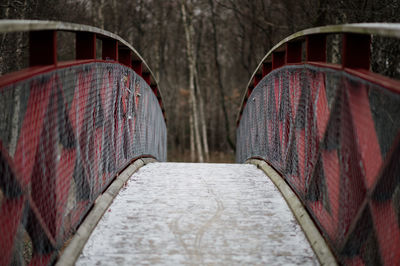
x,y
115,16
202,119
98,13
192,150
219,77
187,23
203,123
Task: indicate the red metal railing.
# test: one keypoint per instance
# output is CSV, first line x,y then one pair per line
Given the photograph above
x,y
66,130
333,132
43,49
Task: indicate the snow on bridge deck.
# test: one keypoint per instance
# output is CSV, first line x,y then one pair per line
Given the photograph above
x,y
175,213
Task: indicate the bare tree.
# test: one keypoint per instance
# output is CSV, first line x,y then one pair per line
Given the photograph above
x,y
189,32
219,75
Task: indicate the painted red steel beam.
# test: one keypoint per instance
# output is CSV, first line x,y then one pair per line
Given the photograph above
x,y
356,50
38,124
42,48
45,188
138,67
249,91
154,88
293,52
316,48
125,57
266,68
257,79
110,50
278,59
33,164
364,206
85,45
146,77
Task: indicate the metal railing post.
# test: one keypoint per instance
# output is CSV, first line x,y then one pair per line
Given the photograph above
x,y
42,47
293,52
146,77
316,48
249,91
137,67
257,79
125,57
85,45
278,59
110,50
266,68
356,51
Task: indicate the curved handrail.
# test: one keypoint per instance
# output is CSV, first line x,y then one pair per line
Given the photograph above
x,y
15,25
379,29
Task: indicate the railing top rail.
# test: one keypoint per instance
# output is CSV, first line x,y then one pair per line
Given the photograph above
x,y
379,29
16,25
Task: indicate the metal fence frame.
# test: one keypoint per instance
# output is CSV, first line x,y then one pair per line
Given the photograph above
x,y
22,204
373,234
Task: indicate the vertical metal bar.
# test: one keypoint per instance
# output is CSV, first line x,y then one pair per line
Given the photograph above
x,y
42,48
125,57
250,90
110,50
146,77
85,45
316,48
293,52
278,59
356,51
154,89
138,67
257,79
266,68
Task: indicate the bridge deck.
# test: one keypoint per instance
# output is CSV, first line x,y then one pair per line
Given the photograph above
x,y
171,213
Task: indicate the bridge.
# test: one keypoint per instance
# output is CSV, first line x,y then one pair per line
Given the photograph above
x,y
83,177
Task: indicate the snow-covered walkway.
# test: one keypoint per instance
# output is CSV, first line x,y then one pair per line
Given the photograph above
x,y
194,214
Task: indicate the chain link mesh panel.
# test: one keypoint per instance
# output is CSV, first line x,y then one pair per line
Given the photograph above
x,y
64,135
335,139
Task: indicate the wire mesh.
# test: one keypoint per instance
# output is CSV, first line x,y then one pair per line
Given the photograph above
x,y
335,138
64,135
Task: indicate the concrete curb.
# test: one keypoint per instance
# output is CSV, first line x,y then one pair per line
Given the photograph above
x,y
78,241
317,242
148,160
